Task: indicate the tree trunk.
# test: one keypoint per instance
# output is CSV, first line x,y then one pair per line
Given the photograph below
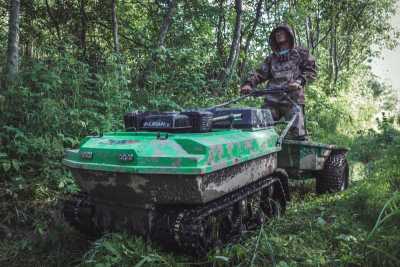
x,y
220,29
297,37
317,34
115,26
235,45
13,41
308,33
82,38
335,70
250,36
53,20
29,14
349,29
167,21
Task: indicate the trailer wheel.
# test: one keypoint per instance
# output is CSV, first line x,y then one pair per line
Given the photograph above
x,y
335,175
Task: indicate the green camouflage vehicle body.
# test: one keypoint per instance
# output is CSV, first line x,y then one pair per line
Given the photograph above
x,y
193,190
193,153
176,168
325,163
182,153
305,156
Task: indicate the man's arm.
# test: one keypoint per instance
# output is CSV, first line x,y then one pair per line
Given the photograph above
x,y
261,74
308,67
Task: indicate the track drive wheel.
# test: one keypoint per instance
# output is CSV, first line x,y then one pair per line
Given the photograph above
x,y
335,175
78,211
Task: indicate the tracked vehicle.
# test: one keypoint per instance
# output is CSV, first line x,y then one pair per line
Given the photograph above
x,y
195,179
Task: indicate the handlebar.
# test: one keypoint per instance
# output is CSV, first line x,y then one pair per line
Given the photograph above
x,y
258,93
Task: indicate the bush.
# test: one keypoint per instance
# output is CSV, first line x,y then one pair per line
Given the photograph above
x,y
61,101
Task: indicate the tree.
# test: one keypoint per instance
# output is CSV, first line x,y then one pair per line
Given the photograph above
x,y
235,45
251,35
220,30
83,19
170,12
13,41
115,26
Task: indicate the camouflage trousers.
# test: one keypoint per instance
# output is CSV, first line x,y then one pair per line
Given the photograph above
x,y
286,111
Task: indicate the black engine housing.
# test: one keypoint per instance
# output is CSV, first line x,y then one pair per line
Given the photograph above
x,y
197,121
250,118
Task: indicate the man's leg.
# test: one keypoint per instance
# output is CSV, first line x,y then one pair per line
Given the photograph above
x,y
298,130
276,111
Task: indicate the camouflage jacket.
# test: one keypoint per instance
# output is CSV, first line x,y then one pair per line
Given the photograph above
x,y
297,66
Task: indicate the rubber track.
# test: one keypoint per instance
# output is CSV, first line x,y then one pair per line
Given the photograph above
x,y
185,228
189,228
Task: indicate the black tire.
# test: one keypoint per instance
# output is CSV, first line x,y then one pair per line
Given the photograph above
x,y
335,175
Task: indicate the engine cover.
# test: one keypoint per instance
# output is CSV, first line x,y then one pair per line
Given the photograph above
x,y
168,121
187,121
197,121
250,118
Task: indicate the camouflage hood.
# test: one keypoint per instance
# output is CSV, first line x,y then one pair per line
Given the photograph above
x,y
272,41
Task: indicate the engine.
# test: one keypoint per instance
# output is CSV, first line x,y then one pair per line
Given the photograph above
x,y
198,121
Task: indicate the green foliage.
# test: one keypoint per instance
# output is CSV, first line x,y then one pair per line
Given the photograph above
x,y
61,101
72,84
120,250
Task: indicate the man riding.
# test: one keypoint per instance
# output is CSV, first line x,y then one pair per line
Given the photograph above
x,y
289,67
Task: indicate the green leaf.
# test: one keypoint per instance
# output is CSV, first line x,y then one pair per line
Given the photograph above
x,y
282,264
321,221
6,166
15,164
222,258
111,248
346,238
142,261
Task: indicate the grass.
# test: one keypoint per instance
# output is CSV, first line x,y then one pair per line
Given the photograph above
x,y
358,227
330,230
327,230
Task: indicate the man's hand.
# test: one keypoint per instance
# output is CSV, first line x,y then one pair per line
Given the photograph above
x,y
245,89
294,86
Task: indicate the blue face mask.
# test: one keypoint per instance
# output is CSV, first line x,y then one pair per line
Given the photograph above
x,y
282,52
282,55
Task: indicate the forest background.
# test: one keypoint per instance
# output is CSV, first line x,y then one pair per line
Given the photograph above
x,y
73,68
